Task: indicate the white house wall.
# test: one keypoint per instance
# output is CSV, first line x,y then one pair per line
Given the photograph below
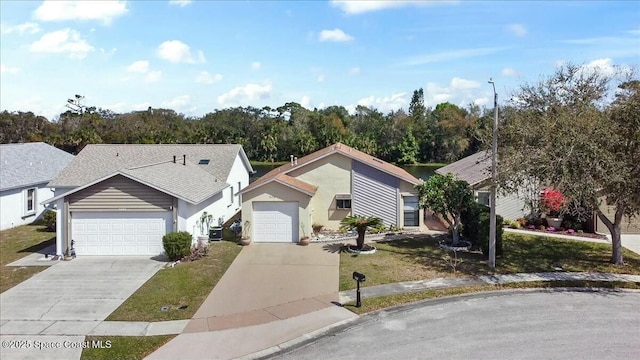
x,y
13,206
239,174
510,206
189,214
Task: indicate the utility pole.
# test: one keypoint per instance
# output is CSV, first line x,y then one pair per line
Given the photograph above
x,y
494,150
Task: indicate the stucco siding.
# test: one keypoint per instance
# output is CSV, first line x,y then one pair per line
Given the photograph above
x,y
278,192
375,194
332,175
239,179
216,206
629,225
13,206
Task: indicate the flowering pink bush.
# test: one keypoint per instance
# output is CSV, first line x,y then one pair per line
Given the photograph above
x,y
553,202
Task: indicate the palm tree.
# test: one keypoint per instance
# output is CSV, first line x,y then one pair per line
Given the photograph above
x,y
360,223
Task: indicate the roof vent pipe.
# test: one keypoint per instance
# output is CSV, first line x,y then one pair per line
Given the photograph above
x,y
174,159
295,160
291,157
184,159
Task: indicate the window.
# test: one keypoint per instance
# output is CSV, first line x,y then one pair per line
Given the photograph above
x,y
343,201
30,207
482,197
239,188
411,211
231,197
203,162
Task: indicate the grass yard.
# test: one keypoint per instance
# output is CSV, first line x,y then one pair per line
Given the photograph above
x,y
186,284
123,347
17,243
421,258
382,302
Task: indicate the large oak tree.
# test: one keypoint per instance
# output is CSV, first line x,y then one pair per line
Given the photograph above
x,y
578,131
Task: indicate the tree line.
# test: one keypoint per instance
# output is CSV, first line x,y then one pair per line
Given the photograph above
x,y
442,134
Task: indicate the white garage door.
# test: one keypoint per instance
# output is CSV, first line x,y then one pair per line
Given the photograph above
x,y
119,233
275,222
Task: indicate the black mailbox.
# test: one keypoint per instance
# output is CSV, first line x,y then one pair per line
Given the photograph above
x,y
359,277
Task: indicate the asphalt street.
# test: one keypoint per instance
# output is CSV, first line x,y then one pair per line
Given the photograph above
x,y
538,324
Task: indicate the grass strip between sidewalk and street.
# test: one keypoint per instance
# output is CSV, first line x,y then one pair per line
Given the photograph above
x,y
17,243
182,288
420,258
123,347
383,302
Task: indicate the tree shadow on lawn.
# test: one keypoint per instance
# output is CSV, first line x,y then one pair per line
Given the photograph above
x,y
335,248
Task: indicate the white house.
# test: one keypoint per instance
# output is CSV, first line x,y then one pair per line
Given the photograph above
x,y
122,199
26,168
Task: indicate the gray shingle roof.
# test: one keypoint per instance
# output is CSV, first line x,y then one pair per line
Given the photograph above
x,y
153,165
28,164
473,169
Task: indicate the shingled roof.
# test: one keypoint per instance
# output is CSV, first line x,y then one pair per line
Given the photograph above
x,y
27,164
332,149
473,169
198,172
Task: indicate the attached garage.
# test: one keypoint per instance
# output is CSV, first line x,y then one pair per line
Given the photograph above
x,y
275,222
120,233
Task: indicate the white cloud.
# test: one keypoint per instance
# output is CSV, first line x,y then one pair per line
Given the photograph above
x,y
354,70
304,102
320,78
204,77
62,41
28,27
104,11
385,104
508,72
458,91
8,70
178,102
153,76
335,35
363,6
140,66
175,51
449,56
518,30
463,84
181,3
242,95
256,65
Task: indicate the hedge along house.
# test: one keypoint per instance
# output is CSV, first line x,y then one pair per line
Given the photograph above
x,y
476,171
323,188
122,199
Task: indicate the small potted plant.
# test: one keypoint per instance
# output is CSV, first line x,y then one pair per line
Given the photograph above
x,y
304,240
245,238
553,204
205,224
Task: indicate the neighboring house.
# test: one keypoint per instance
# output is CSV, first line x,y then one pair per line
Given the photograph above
x,y
476,170
122,199
323,188
26,168
628,226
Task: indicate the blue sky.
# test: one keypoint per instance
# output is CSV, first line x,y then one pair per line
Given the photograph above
x,y
198,56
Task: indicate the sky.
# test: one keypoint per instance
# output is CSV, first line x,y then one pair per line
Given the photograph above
x,y
198,56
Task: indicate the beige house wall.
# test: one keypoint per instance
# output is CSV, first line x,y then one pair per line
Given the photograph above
x,y
332,175
277,192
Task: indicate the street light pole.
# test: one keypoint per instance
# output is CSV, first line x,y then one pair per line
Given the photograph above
x,y
494,150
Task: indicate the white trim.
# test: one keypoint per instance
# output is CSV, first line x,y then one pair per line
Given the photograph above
x,y
25,201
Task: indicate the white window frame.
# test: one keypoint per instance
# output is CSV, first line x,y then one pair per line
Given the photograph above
x,y
341,199
34,205
238,193
231,197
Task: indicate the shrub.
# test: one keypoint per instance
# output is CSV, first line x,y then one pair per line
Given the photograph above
x,y
483,233
49,220
176,245
317,228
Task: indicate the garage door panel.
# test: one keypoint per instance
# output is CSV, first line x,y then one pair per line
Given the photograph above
x,y
275,221
119,233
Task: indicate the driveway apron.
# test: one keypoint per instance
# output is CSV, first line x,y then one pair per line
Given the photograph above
x,y
86,288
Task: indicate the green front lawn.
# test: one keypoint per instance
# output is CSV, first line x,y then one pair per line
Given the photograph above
x,y
421,258
17,243
186,284
123,347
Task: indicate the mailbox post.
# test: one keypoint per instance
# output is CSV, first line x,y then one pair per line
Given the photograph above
x,y
358,278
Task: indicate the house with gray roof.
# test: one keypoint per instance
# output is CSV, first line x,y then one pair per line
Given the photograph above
x,y
476,170
26,168
122,199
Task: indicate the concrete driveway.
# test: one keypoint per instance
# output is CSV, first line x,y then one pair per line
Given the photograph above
x,y
86,288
